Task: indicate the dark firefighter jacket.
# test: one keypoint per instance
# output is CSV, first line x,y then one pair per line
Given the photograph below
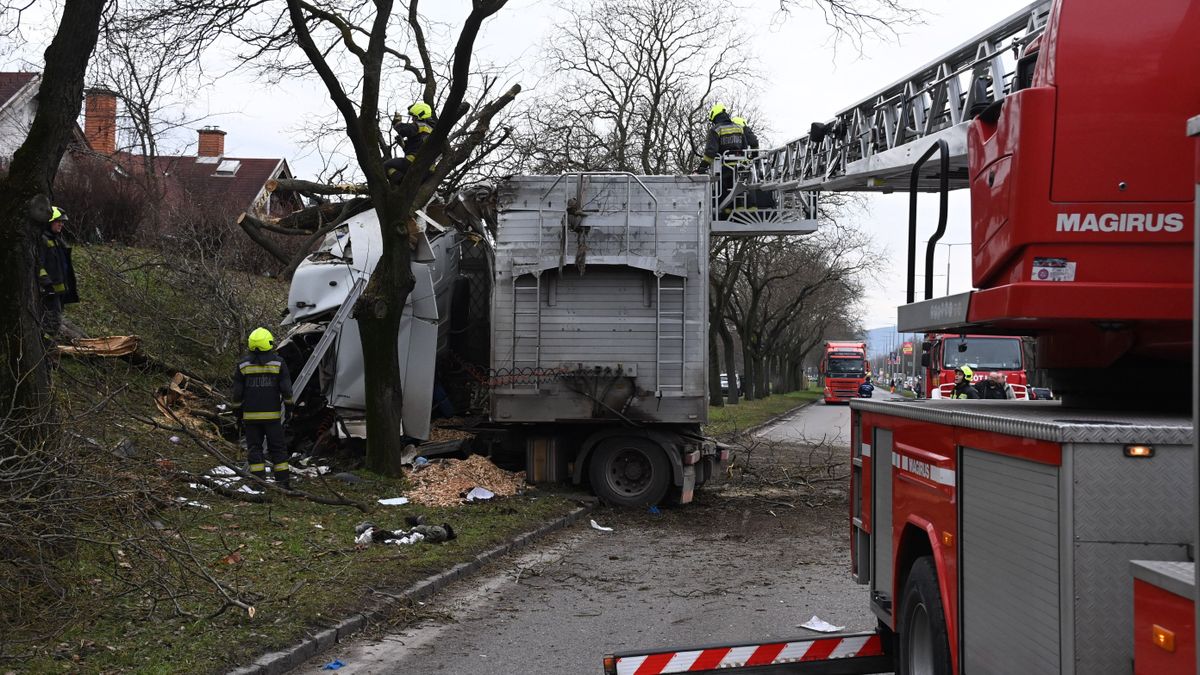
x,y
261,385
723,136
964,390
55,273
413,135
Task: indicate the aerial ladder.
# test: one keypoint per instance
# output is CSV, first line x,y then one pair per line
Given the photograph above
x,y
996,537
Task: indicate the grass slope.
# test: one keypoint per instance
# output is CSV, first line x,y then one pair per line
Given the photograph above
x,y
731,419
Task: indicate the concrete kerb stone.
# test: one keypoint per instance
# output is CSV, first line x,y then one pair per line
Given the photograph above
x,y
285,660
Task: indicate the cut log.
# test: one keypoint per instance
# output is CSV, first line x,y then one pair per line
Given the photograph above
x,y
297,185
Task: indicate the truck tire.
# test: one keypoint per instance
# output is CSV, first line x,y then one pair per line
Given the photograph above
x,y
924,647
630,472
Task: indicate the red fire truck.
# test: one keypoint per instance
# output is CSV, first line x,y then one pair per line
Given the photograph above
x,y
843,368
1002,537
941,353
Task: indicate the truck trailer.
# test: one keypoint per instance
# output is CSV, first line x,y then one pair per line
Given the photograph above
x,y
570,312
1040,536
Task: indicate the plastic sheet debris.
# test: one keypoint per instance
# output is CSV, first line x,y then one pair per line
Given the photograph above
x,y
654,511
478,494
598,526
394,501
420,461
310,471
174,439
221,470
820,625
191,502
333,665
249,490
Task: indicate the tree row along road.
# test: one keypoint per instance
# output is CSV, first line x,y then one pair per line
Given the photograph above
x,y
739,564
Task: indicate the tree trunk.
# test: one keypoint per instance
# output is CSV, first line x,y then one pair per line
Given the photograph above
x,y
378,313
761,369
714,370
730,366
24,208
751,380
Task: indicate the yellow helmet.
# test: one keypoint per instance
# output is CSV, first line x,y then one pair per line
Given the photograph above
x,y
57,214
967,372
261,340
715,110
740,121
420,110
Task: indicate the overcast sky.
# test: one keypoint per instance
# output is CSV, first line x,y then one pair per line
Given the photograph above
x,y
806,78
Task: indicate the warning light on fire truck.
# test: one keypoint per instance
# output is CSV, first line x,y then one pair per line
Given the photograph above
x,y
1139,451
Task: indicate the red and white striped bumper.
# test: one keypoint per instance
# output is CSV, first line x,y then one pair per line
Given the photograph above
x,y
866,646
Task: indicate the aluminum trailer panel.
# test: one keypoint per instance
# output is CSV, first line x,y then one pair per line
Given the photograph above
x,y
601,313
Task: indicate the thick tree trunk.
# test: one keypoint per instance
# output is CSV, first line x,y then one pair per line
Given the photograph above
x,y
378,312
731,369
762,370
751,380
24,374
714,370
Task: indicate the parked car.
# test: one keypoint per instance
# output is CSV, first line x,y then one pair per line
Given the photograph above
x,y
725,384
1040,394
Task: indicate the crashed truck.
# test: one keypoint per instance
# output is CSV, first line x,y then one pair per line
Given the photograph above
x,y
566,316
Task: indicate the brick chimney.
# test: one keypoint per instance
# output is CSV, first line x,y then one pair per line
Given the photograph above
x,y
212,142
100,120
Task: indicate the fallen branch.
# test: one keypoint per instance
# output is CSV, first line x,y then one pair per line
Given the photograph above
x,y
297,185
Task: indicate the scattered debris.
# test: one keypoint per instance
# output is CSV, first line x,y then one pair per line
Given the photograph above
x,y
232,559
125,449
191,502
174,439
394,501
820,625
478,494
221,470
443,482
115,345
598,526
190,403
332,665
654,511
347,477
444,430
368,532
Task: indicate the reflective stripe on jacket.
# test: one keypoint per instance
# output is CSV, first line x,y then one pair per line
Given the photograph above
x,y
261,386
723,136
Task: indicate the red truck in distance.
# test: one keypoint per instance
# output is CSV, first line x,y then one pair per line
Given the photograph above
x,y
843,368
941,354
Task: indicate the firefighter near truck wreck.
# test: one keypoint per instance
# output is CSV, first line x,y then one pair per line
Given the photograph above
x,y
1026,536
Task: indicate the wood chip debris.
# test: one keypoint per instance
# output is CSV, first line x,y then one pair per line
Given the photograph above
x,y
442,431
444,482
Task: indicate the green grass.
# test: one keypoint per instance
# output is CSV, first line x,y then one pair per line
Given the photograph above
x,y
297,564
732,419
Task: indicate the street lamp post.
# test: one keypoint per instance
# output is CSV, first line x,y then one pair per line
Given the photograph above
x,y
949,248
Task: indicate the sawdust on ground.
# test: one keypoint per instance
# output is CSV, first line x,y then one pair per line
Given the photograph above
x,y
443,482
442,430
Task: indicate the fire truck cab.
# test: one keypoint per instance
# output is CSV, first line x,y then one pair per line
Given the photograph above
x,y
844,367
941,353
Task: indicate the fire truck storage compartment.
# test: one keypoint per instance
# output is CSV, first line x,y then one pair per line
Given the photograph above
x,y
1044,548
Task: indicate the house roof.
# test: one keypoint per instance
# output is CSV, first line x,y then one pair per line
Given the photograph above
x,y
10,84
236,181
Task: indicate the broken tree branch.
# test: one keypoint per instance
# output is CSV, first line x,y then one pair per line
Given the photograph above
x,y
309,187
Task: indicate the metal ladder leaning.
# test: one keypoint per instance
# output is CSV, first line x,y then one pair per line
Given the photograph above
x,y
670,330
524,296
331,332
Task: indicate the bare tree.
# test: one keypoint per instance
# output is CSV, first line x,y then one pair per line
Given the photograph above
x,y
24,205
630,82
859,20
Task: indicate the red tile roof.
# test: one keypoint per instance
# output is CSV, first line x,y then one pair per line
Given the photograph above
x,y
236,185
11,83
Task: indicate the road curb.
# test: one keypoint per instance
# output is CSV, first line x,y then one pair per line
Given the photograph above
x,y
774,420
318,641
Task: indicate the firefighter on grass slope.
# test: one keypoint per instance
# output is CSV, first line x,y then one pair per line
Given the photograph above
x,y
262,388
55,275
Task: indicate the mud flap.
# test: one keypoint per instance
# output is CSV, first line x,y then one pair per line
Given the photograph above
x,y
835,654
689,484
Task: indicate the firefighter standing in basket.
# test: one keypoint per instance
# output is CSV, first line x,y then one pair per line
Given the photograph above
x,y
262,388
724,136
962,383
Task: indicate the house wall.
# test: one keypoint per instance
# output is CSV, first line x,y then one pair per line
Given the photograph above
x,y
15,120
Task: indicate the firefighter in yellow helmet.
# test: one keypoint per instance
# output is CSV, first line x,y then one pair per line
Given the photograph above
x,y
962,383
262,388
55,274
412,136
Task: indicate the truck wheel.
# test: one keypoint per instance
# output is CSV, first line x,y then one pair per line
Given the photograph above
x,y
630,472
924,646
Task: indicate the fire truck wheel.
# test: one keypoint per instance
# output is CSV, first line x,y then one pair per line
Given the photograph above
x,y
630,472
924,644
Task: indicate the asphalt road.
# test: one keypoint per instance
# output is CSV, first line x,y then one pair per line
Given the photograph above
x,y
750,560
817,424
